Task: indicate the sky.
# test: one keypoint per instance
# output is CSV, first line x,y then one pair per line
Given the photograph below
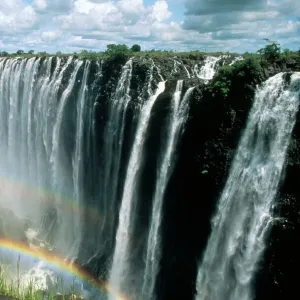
x,y
180,25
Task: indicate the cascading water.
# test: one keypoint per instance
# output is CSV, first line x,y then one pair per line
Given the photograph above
x,y
112,151
33,136
119,266
45,151
175,126
243,217
40,164
236,59
208,70
49,112
77,162
87,154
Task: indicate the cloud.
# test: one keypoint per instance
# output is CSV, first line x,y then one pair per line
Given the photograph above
x,y
39,4
15,16
245,20
204,7
53,6
212,25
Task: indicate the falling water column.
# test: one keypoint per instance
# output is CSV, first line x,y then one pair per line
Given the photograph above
x,y
243,214
120,266
174,129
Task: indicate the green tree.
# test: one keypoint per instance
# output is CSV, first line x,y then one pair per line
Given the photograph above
x,y
4,53
247,71
135,48
84,52
30,51
20,52
117,51
43,53
271,52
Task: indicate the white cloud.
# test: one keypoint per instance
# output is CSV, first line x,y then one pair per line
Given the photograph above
x,y
15,16
50,36
71,25
39,4
245,20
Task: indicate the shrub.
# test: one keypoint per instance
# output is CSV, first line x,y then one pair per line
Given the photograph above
x,y
117,52
248,71
136,48
271,52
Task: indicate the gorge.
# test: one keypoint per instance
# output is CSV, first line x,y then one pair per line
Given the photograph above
x,y
145,175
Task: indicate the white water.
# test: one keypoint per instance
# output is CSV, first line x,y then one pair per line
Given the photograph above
x,y
244,212
237,58
178,64
34,175
174,129
208,70
119,267
114,138
187,71
33,171
70,229
77,161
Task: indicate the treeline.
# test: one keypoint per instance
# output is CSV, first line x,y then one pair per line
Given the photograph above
x,y
272,52
113,51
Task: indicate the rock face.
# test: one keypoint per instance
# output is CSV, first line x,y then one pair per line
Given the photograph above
x,y
210,139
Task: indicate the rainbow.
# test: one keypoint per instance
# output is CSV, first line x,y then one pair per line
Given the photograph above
x,y
80,273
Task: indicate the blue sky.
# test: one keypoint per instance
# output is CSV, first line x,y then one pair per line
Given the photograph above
x,y
219,25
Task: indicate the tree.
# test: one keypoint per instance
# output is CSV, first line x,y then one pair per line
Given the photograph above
x,y
3,53
84,52
43,53
20,52
30,51
117,51
271,52
136,48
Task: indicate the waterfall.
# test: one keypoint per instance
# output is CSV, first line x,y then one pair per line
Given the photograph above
x,y
70,229
35,97
236,59
244,211
187,71
119,266
208,70
112,151
174,129
77,161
